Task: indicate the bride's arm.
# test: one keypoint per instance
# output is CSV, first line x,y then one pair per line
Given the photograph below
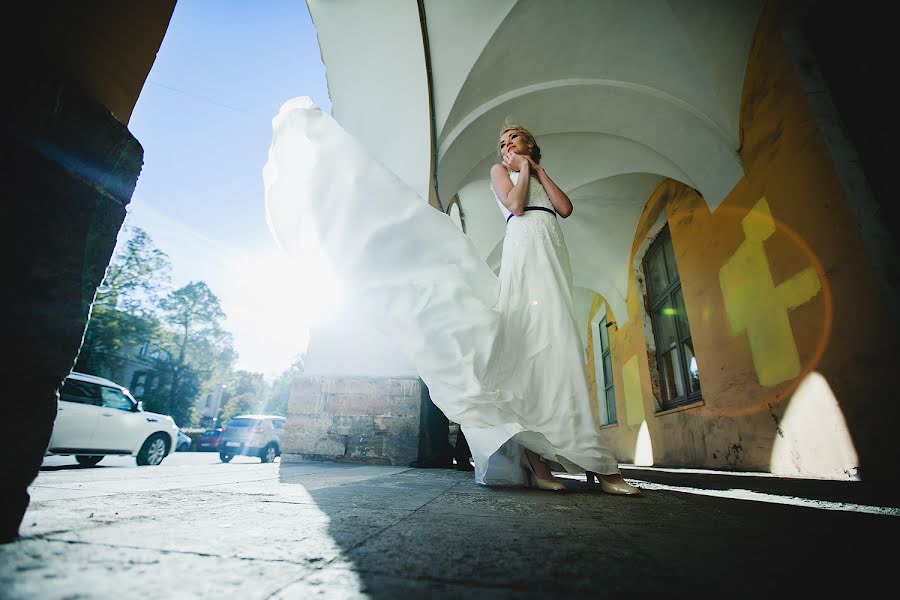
x,y
558,198
512,196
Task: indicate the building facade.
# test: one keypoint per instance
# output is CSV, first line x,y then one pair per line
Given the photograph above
x,y
733,246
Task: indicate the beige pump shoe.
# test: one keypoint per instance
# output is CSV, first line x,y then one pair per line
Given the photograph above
x,y
618,489
535,481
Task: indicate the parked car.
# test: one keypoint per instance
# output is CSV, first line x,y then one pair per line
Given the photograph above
x,y
252,435
184,442
96,417
209,440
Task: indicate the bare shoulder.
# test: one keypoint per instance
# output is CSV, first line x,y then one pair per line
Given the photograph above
x,y
499,169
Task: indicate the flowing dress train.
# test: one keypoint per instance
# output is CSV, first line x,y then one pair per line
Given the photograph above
x,y
501,356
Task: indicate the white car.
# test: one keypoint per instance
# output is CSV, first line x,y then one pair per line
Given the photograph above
x,y
184,442
97,417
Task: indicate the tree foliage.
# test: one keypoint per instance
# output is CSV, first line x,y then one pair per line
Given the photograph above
x,y
197,341
174,340
277,403
137,276
123,315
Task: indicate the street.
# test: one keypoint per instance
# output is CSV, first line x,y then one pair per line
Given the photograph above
x,y
194,527
175,459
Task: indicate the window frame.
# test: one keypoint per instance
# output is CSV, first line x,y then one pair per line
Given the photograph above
x,y
106,390
610,413
94,399
656,299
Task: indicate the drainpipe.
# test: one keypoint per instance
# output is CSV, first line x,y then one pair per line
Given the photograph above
x,y
433,136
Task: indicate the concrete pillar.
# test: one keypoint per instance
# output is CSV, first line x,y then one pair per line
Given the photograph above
x,y
69,169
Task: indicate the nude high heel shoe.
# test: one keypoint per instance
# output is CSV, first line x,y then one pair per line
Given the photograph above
x,y
535,481
618,489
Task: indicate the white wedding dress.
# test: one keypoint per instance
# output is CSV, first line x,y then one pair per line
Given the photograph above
x,y
501,357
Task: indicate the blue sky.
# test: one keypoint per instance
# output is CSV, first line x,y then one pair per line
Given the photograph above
x,y
204,120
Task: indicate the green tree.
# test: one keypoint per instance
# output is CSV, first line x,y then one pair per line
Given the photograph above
x,y
123,314
247,393
197,342
237,405
277,403
137,277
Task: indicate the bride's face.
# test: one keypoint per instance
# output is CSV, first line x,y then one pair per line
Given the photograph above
x,y
514,141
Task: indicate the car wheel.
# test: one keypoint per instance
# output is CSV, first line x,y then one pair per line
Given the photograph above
x,y
269,454
153,451
87,461
225,457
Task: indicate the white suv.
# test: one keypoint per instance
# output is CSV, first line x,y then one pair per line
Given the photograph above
x,y
97,417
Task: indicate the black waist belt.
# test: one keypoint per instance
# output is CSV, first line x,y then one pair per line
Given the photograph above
x,y
551,211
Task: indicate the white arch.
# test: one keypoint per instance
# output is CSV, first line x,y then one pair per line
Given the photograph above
x,y
668,128
450,137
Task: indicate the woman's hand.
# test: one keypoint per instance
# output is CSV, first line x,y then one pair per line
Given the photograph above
x,y
535,168
515,162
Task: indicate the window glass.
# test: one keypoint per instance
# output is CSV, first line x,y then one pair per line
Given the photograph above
x,y
666,336
604,336
278,423
656,273
138,384
677,369
113,398
683,328
80,392
670,374
607,394
692,367
611,405
671,267
241,423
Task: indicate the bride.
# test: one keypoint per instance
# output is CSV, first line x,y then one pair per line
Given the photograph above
x,y
500,356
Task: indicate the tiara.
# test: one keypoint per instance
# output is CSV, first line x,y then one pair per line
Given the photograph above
x,y
511,123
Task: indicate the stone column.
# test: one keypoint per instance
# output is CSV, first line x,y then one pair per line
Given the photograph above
x,y
69,169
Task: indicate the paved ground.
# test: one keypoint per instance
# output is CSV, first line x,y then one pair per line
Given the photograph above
x,y
196,528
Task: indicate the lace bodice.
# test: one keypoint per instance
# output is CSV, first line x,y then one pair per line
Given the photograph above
x,y
536,194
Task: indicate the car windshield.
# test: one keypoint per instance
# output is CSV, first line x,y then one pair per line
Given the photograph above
x,y
241,423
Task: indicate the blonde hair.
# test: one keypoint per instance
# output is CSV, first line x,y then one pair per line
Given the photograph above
x,y
509,125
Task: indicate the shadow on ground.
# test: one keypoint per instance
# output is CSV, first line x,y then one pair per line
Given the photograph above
x,y
197,528
437,533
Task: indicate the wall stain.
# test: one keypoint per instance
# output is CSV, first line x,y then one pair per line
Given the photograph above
x,y
774,416
735,454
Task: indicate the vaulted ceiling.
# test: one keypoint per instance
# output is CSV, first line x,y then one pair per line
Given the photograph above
x,y
619,94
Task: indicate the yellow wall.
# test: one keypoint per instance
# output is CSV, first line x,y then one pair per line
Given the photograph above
x,y
777,285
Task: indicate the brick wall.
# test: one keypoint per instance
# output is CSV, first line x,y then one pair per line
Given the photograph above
x,y
372,420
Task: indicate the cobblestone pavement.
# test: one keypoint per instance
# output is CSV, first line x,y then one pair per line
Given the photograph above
x,y
196,528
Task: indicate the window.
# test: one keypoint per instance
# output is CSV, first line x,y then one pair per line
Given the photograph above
x,y
679,375
138,384
278,424
113,398
80,392
608,393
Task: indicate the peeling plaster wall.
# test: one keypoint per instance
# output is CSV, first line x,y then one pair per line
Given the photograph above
x,y
807,266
